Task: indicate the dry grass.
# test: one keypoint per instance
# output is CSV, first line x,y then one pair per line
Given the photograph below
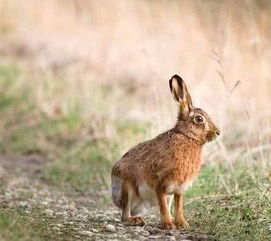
x,y
131,50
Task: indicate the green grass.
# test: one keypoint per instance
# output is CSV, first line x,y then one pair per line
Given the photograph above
x,y
89,162
78,161
33,224
235,208
85,166
25,127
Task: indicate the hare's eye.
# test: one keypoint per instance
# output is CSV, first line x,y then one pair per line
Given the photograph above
x,y
198,119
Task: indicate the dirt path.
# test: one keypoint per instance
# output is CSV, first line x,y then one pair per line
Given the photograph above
x,y
69,214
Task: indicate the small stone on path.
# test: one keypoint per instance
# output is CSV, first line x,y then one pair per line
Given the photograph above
x,y
110,228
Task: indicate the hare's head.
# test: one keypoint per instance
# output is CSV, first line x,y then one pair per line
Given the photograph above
x,y
192,122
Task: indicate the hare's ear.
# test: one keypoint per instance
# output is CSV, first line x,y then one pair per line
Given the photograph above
x,y
180,94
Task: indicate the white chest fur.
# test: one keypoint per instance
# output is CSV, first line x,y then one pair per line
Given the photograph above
x,y
178,188
147,193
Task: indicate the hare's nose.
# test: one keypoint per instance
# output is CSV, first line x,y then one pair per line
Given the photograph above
x,y
217,132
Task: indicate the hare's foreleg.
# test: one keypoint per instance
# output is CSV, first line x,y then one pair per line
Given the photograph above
x,y
164,211
179,218
127,198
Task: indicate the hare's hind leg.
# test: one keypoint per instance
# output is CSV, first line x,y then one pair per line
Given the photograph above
x,y
128,195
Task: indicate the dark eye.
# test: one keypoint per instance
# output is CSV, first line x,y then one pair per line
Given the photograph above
x,y
198,119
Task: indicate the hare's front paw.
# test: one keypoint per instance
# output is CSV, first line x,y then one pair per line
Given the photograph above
x,y
135,221
181,224
168,225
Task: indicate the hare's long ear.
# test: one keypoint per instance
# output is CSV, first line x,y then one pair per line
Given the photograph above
x,y
180,94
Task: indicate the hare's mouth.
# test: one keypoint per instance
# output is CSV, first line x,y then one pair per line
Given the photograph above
x,y
211,136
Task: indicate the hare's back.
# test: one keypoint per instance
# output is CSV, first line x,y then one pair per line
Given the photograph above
x,y
143,156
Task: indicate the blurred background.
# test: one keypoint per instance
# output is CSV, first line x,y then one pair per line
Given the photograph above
x,y
82,81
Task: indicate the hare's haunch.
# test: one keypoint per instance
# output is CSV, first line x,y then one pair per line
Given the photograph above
x,y
155,171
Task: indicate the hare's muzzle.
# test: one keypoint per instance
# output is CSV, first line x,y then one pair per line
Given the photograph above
x,y
212,134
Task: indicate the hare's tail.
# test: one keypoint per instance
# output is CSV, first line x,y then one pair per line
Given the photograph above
x,y
117,186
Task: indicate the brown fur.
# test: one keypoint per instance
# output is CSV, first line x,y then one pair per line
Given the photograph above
x,y
172,157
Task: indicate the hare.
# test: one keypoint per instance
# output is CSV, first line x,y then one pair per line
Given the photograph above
x,y
155,171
